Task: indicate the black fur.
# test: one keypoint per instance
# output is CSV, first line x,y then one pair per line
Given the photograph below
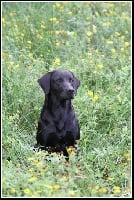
x,y
58,126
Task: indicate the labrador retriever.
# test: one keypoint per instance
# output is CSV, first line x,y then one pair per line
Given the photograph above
x,y
58,127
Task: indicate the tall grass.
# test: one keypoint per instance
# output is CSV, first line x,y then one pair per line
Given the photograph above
x,y
92,39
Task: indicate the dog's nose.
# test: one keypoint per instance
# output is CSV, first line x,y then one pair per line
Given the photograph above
x,y
71,91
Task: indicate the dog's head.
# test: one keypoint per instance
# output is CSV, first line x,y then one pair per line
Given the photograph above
x,y
62,83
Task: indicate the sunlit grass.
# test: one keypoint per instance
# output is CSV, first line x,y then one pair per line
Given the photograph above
x,y
92,39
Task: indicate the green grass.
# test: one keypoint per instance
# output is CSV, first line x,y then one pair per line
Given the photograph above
x,y
92,39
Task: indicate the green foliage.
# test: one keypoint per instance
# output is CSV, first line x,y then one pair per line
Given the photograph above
x,y
93,40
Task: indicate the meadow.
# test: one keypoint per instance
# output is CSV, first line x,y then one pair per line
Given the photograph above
x,y
93,40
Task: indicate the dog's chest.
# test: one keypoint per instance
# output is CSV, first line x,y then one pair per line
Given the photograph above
x,y
64,117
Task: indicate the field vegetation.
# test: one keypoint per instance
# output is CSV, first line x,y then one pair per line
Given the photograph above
x,y
93,40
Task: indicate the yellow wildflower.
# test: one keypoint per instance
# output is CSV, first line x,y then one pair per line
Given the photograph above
x,y
29,42
100,66
72,193
70,13
96,97
110,5
122,37
73,153
89,53
72,33
57,44
53,19
11,63
43,26
119,99
39,36
48,186
56,61
109,42
57,32
95,72
16,66
38,163
85,86
124,15
94,29
67,43
126,44
103,190
57,5
116,189
65,178
113,51
27,191
90,92
4,54
69,149
127,156
122,50
30,158
22,34
42,153
12,14
124,163
95,189
32,195
31,169
4,180
117,34
12,190
110,178
3,20
32,179
54,154
89,33
106,24
56,187
39,191
97,14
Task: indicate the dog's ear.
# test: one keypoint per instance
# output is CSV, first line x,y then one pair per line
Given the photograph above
x,y
44,82
76,82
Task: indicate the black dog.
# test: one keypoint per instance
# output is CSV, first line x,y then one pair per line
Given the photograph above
x,y
58,126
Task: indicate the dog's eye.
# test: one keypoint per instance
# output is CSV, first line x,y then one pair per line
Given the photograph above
x,y
71,80
59,80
